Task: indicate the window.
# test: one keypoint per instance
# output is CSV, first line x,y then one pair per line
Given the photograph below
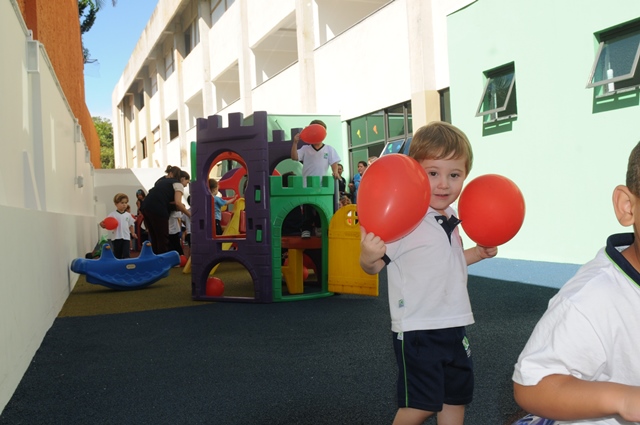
x,y
154,84
498,101
218,7
191,37
169,66
156,138
445,105
380,133
143,146
393,147
616,64
139,100
173,129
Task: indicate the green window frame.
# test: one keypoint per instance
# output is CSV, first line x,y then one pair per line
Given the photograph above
x,y
498,100
615,67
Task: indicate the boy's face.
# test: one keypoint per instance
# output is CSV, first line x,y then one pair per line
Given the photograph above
x,y
361,168
122,205
446,177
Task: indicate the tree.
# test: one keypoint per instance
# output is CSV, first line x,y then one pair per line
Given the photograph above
x,y
105,133
87,12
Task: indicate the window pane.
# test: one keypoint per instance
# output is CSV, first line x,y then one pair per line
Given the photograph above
x,y
496,93
358,131
396,121
375,127
617,59
217,10
409,119
356,156
393,147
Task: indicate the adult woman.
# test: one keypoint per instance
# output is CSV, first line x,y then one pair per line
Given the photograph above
x,y
164,196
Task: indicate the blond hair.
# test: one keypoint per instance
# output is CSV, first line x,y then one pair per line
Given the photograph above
x,y
441,140
119,198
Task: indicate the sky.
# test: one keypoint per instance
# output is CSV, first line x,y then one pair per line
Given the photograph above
x,y
111,41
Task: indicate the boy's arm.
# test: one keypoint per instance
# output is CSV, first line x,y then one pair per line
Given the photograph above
x,y
232,200
372,249
566,398
132,232
294,147
334,170
479,252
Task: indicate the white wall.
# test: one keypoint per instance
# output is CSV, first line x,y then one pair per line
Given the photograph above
x,y
47,219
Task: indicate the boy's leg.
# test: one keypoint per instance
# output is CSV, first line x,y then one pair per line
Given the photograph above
x,y
451,415
411,416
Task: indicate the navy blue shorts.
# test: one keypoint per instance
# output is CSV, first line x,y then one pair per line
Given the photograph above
x,y
434,368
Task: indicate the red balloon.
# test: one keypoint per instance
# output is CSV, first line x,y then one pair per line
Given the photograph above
x,y
393,196
183,260
110,223
215,287
314,133
491,208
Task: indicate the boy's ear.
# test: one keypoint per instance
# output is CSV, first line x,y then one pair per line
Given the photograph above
x,y
623,204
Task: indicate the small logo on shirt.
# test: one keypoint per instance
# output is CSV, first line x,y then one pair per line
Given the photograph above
x,y
465,345
400,303
326,156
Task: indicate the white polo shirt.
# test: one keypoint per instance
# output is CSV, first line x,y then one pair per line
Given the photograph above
x,y
428,278
317,163
590,329
125,220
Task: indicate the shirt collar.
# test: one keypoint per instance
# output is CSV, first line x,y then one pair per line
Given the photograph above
x,y
615,245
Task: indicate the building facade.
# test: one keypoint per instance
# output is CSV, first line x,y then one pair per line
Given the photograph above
x,y
548,95
378,65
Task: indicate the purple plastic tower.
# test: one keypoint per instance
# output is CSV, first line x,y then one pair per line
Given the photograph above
x,y
261,158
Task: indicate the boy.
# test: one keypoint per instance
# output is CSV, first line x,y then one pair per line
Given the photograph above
x,y
316,159
428,298
580,363
219,203
120,237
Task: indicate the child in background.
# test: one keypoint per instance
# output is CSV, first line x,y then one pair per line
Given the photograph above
x,y
219,203
186,220
316,160
120,237
579,365
175,243
427,278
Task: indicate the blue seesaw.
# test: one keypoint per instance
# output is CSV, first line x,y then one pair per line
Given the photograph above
x,y
127,273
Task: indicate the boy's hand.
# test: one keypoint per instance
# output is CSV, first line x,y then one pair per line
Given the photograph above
x,y
486,251
372,249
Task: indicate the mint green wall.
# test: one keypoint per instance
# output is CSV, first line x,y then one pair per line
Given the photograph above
x,y
565,158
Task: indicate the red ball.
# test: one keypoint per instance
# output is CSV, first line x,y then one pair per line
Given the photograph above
x,y
393,196
215,287
183,260
314,133
305,273
491,208
110,223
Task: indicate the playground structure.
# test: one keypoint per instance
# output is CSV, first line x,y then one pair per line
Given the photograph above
x,y
267,201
